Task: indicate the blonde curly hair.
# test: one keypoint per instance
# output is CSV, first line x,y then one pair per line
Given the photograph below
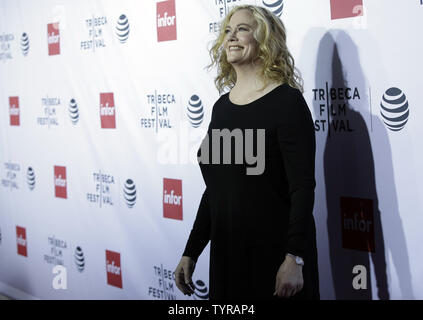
x,y
278,63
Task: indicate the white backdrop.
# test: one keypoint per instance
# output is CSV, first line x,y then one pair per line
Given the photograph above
x,y
118,215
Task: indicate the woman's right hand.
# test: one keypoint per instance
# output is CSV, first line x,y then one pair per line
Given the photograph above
x,y
183,275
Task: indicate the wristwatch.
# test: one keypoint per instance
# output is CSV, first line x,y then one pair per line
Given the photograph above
x,y
298,260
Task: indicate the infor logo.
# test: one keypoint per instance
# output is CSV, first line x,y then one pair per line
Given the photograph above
x,y
60,185
357,224
53,38
107,110
113,269
172,198
166,20
14,111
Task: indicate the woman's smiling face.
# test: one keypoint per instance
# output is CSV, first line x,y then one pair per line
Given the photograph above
x,y
239,43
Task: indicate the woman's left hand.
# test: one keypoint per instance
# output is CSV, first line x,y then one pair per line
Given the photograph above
x,y
289,279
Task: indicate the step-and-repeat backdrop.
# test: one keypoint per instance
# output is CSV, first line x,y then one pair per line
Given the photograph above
x,y
103,105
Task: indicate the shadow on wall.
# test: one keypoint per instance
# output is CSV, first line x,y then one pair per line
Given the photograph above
x,y
347,178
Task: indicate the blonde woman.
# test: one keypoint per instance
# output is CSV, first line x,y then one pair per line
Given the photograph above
x,y
261,227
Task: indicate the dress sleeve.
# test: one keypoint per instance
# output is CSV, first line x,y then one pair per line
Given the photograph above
x,y
297,142
200,233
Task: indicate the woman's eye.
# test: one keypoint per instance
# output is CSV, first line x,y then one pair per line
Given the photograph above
x,y
244,29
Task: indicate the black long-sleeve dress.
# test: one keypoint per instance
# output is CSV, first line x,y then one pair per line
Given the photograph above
x,y
254,220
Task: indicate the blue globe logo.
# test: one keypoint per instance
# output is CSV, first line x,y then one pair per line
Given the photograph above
x,y
201,292
130,193
195,111
79,259
122,28
73,111
275,6
394,109
24,44
30,178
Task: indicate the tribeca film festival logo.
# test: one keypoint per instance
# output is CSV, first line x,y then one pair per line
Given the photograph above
x,y
333,108
53,38
166,20
56,252
172,199
166,284
60,183
14,111
224,6
122,28
160,106
95,35
50,107
104,188
113,269
107,110
5,46
394,109
56,258
11,179
21,241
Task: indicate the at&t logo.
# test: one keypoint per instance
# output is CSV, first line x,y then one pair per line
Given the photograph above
x,y
25,44
30,178
122,29
130,193
275,6
394,109
195,111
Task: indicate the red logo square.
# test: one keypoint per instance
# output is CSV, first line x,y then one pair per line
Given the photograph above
x,y
53,38
346,8
166,20
357,224
60,184
21,241
172,198
107,110
113,269
14,111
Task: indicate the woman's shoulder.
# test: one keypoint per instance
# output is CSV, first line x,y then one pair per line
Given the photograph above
x,y
289,92
287,99
290,104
